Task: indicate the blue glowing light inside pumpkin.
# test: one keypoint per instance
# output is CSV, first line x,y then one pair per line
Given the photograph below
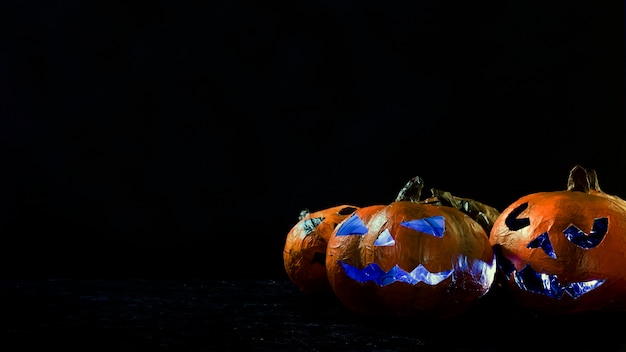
x,y
529,280
543,241
352,226
481,272
591,240
384,239
434,225
373,272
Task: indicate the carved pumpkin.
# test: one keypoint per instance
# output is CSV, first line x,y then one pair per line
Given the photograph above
x,y
564,251
410,258
304,253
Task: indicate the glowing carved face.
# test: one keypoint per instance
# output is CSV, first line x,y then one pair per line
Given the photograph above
x,y
563,251
545,283
409,259
480,271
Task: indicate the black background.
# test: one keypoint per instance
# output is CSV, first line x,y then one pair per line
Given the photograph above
x,y
183,138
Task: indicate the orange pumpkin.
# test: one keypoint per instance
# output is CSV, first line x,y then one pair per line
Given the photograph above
x,y
409,259
563,251
304,253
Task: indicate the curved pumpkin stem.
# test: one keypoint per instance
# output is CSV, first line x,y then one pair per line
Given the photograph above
x,y
484,214
303,214
577,180
582,180
412,190
593,180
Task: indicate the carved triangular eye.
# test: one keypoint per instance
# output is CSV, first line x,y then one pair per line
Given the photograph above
x,y
352,226
434,225
591,240
385,239
543,241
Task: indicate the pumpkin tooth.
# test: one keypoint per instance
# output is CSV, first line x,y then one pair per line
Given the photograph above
x,y
373,272
530,280
482,272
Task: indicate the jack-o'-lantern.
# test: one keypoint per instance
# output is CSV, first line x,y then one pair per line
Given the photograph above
x,y
564,251
304,252
410,258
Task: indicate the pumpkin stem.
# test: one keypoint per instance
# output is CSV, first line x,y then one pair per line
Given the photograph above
x,y
593,180
484,214
579,179
304,213
411,191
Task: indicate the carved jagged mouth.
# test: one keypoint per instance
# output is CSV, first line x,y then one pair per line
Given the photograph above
x,y
528,279
482,272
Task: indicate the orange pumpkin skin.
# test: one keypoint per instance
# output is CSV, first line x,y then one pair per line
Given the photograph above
x,y
463,241
563,252
304,251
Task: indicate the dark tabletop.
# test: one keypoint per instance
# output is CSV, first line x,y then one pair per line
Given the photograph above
x,y
200,314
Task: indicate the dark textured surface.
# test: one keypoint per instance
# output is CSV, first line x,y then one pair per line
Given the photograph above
x,y
168,139
132,314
